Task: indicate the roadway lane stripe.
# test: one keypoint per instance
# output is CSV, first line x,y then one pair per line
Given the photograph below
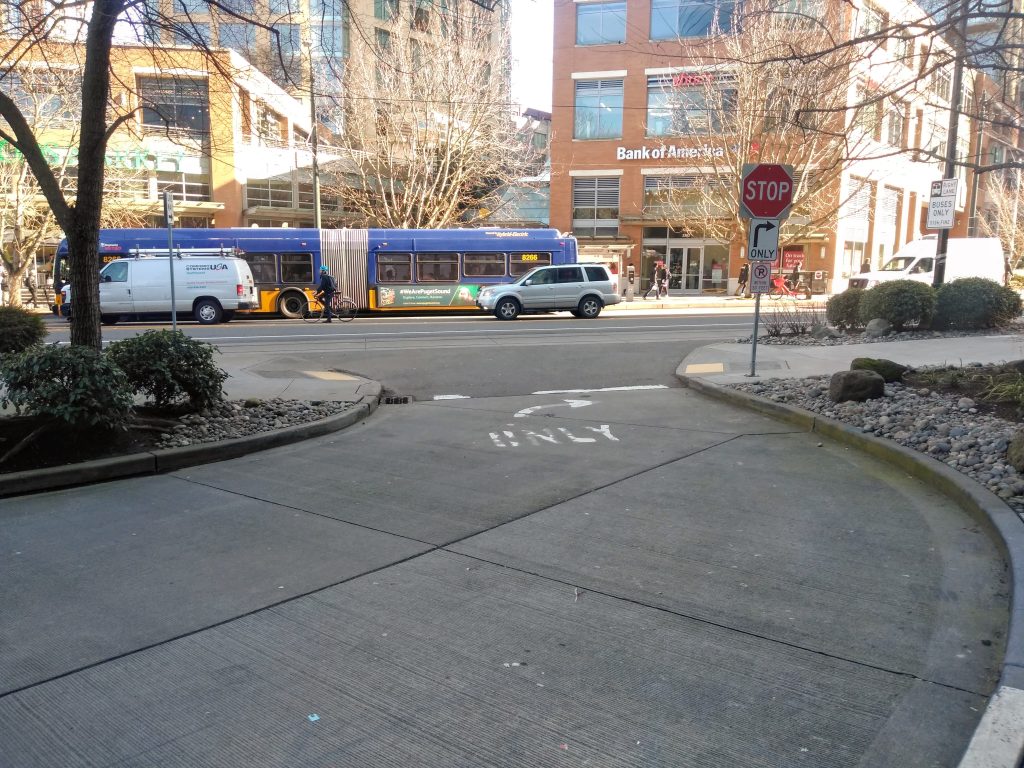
x,y
602,389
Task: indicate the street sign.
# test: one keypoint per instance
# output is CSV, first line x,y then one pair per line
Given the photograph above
x,y
763,240
760,277
942,204
766,191
168,208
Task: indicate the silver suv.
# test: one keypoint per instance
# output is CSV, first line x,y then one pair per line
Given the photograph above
x,y
583,289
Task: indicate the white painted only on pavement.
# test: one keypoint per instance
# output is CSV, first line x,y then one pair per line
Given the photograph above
x,y
533,409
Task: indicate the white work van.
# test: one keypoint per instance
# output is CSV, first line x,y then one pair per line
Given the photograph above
x,y
209,288
965,257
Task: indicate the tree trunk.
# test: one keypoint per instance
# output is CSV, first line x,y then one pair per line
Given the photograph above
x,y
83,234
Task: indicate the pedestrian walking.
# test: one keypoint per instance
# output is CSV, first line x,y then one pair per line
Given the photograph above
x,y
30,284
3,287
659,281
326,290
741,288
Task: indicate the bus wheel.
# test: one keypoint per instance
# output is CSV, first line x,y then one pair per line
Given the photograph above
x,y
207,312
291,304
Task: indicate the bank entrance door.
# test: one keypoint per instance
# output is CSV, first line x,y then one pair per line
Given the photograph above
x,y
685,266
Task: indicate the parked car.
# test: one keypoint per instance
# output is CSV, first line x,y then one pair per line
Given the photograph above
x,y
582,289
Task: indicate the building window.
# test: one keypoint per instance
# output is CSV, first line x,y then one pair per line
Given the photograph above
x,y
283,7
191,7
383,39
690,18
868,116
598,109
595,206
191,33
872,21
268,193
45,95
802,12
690,103
180,104
942,83
895,122
240,37
385,10
600,23
330,38
697,192
288,38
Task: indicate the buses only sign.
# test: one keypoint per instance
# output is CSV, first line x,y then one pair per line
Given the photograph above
x,y
766,191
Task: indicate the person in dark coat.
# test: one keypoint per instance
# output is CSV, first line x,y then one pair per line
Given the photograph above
x,y
326,290
741,288
30,284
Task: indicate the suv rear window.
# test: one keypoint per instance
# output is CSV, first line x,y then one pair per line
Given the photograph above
x,y
597,274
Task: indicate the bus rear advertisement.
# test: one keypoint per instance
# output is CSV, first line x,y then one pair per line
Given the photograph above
x,y
380,269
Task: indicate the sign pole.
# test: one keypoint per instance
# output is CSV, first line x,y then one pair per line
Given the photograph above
x,y
753,339
169,219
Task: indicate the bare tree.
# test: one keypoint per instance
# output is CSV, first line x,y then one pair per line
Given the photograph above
x,y
1003,216
428,118
49,100
762,91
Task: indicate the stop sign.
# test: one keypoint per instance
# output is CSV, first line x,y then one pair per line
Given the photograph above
x,y
766,191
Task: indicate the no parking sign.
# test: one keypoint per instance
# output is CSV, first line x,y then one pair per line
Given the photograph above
x,y
760,277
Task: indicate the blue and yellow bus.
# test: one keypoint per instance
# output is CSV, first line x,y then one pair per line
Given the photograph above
x,y
389,270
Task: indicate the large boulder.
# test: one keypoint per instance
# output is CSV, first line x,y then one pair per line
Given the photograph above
x,y
887,369
855,385
1015,451
877,328
819,331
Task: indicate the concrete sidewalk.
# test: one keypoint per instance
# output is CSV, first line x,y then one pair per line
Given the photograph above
x,y
999,738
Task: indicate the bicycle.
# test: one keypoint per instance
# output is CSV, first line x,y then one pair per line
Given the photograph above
x,y
782,287
342,307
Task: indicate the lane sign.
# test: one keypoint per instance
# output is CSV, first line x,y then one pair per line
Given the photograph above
x,y
766,191
760,277
942,204
763,240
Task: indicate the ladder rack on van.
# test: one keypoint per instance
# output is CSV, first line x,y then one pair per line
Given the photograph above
x,y
137,253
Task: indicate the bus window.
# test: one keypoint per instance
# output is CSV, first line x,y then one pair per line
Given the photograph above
x,y
263,266
296,268
521,263
484,265
437,267
394,268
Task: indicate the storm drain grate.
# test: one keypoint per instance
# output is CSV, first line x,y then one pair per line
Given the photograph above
x,y
395,400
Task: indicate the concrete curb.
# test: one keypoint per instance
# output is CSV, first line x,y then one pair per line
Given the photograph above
x,y
998,741
170,459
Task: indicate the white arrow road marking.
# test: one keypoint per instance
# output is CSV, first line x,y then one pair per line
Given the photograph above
x,y
572,404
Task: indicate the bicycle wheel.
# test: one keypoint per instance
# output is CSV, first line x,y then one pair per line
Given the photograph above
x,y
775,292
344,309
312,311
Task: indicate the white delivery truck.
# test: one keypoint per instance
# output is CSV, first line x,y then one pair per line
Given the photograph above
x,y
209,288
965,257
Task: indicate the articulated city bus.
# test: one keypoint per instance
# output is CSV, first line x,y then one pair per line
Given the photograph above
x,y
380,269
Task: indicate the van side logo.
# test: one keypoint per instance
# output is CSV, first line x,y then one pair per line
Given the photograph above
x,y
206,267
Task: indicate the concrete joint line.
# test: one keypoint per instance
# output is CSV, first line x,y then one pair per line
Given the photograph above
x,y
998,740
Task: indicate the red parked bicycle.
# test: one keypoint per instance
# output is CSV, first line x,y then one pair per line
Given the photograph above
x,y
781,286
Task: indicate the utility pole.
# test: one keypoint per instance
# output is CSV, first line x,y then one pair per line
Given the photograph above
x,y
313,138
955,100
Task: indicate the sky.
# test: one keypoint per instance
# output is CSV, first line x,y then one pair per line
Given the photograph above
x,y
531,53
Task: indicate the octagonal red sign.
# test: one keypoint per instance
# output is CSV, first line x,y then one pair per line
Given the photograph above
x,y
766,191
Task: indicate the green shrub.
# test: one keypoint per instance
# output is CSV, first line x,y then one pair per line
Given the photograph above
x,y
902,302
975,302
76,385
843,309
20,330
170,367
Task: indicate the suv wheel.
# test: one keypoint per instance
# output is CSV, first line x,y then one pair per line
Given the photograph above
x,y
590,307
507,309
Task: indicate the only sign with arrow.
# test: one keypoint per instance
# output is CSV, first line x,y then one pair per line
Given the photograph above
x,y
763,240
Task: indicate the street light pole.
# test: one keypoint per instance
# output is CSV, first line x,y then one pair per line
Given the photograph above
x,y
313,138
955,101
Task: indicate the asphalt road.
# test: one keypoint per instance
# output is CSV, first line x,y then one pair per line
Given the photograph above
x,y
520,577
